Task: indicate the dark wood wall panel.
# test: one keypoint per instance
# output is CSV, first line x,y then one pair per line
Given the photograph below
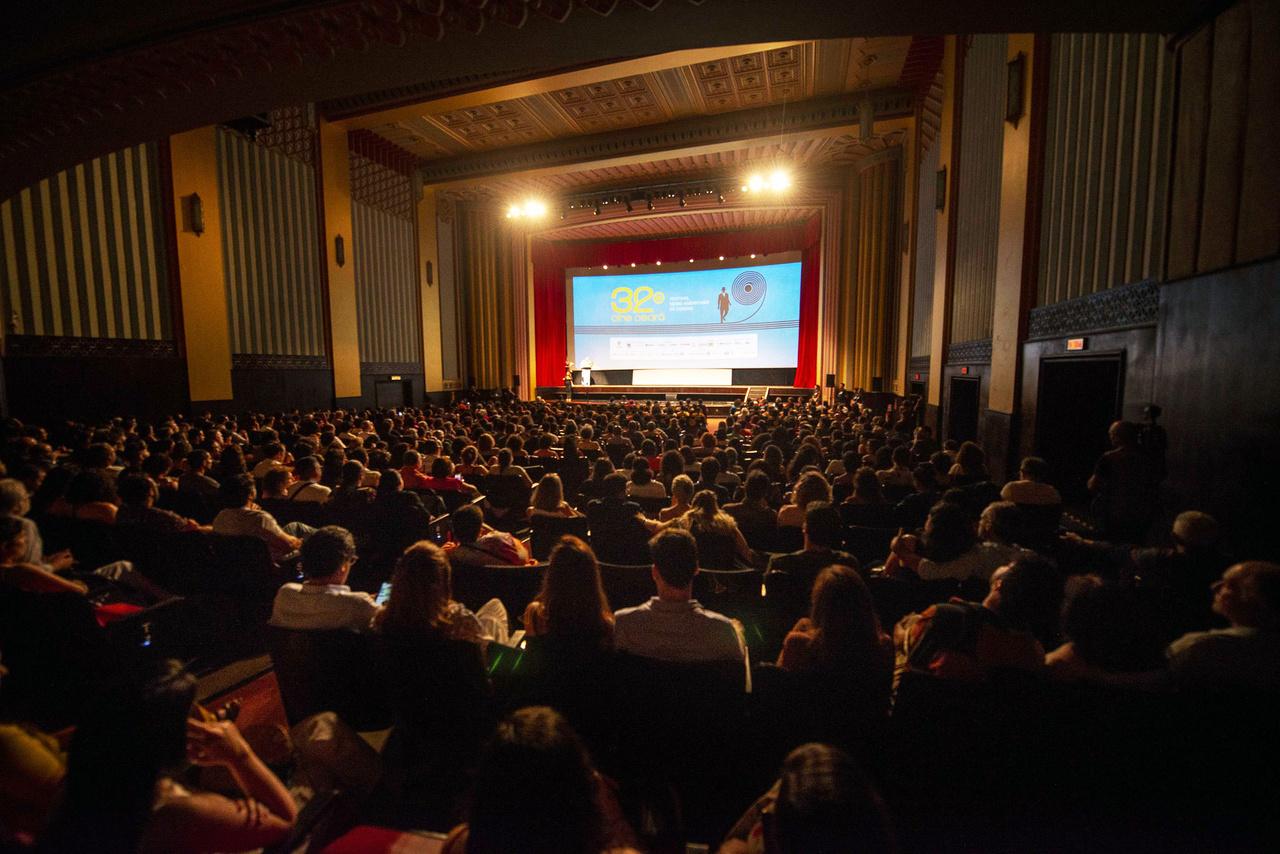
x,y
1226,176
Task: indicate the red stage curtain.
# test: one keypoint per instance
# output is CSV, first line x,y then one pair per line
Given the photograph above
x,y
551,259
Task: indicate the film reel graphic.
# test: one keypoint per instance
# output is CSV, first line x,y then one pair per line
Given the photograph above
x,y
749,289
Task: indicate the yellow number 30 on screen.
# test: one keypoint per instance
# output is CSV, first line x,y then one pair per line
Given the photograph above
x,y
626,300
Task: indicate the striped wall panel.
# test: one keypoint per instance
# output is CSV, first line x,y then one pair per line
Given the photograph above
x,y
270,251
449,361
84,255
872,333
1108,128
386,286
926,237
977,203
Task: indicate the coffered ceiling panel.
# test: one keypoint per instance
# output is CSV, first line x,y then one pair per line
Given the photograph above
x,y
702,222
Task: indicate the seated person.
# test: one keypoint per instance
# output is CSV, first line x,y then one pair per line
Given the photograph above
x,y
867,507
120,784
307,487
681,495
1114,627
443,479
536,791
138,494
823,533
272,458
822,802
15,503
963,640
323,601
948,549
571,606
421,606
811,487
16,572
350,497
276,483
709,479
642,484
842,634
1032,486
672,626
243,518
476,544
195,480
411,472
899,474
548,498
913,510
720,543
618,526
1247,653
755,518
91,496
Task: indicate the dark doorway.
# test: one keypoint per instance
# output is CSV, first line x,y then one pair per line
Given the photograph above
x,y
391,394
1077,400
962,409
918,388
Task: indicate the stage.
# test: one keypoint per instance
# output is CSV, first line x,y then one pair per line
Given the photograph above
x,y
705,394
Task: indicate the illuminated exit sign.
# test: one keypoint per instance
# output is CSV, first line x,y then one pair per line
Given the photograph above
x,y
1077,343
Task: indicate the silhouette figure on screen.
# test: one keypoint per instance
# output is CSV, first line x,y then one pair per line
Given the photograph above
x,y
723,302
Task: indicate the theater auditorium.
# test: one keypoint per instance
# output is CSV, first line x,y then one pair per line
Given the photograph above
x,y
646,426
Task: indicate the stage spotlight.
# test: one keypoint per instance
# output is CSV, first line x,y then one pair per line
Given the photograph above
x,y
606,266
779,180
690,260
682,201
633,263
648,202
513,212
753,255
629,208
534,208
597,209
721,257
745,188
720,198
659,263
755,183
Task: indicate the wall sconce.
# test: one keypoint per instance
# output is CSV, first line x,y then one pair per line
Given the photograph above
x,y
194,210
339,251
1015,86
429,281
940,189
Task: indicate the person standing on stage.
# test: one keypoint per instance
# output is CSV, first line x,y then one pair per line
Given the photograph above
x,y
568,380
723,302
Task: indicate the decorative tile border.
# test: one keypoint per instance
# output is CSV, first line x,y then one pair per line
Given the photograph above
x,y
1115,308
66,346
274,362
970,353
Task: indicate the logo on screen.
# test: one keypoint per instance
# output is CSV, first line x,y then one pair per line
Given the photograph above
x,y
635,303
749,289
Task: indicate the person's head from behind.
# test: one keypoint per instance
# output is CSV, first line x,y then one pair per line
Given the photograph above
x,y
468,521
826,805
550,493
675,559
1123,434
534,790
1248,595
682,489
137,490
307,468
823,527
948,532
811,487
441,467
275,483
1194,531
757,488
601,468
90,486
640,471
389,482
866,486
1027,594
421,588
614,486
14,500
1001,522
1035,469
844,615
412,460
122,745
352,474
704,503
709,469
572,591
327,554
971,459
238,491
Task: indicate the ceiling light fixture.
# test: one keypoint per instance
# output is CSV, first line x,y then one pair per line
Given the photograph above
x,y
530,209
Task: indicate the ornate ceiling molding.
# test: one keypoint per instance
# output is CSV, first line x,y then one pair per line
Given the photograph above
x,y
817,114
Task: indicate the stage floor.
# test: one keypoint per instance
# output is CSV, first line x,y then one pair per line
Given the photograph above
x,y
650,392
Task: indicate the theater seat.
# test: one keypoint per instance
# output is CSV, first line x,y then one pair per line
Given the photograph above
x,y
547,531
322,671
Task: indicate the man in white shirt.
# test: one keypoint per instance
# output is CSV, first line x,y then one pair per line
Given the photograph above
x,y
323,601
272,458
308,486
672,626
243,518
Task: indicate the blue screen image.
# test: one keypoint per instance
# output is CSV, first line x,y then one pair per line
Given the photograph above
x,y
736,317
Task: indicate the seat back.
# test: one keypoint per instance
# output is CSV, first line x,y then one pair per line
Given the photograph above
x,y
547,531
507,492
627,585
514,586
869,545
788,538
320,671
651,506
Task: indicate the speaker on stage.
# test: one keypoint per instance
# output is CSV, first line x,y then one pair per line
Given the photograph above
x,y
877,383
831,380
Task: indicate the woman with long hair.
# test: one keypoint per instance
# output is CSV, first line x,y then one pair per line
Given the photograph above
x,y
536,792
671,467
548,498
970,467
867,506
720,543
842,628
421,602
571,604
121,795
811,487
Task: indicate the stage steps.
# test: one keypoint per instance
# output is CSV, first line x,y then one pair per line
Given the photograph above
x,y
756,392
